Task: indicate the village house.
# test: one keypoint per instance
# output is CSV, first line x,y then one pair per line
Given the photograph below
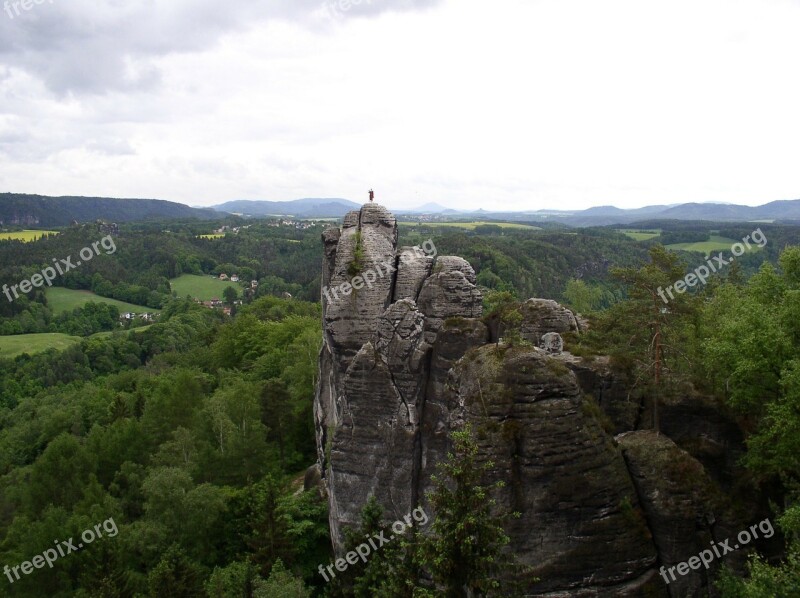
x,y
130,316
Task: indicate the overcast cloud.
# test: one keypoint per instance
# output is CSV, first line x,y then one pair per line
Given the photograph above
x,y
512,104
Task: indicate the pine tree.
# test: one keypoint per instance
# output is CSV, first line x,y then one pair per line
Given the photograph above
x,y
463,550
646,333
281,584
361,580
175,575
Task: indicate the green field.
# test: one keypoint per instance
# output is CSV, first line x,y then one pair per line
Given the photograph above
x,y
470,225
203,288
212,236
715,243
27,235
640,235
11,346
60,299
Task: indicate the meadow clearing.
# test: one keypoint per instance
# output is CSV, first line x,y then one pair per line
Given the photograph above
x,y
26,236
203,287
60,300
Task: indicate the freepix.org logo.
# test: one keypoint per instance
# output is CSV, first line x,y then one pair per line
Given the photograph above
x,y
59,267
701,273
370,277
706,557
337,8
23,4
63,548
362,551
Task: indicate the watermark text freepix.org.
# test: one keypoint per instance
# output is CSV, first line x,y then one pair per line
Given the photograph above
x,y
49,274
702,273
63,548
24,4
371,276
706,557
362,551
338,7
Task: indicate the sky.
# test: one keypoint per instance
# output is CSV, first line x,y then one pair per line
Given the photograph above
x,y
508,104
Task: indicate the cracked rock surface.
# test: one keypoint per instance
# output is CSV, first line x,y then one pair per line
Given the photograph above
x,y
375,361
406,359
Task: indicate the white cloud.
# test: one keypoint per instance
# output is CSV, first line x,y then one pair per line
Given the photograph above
x,y
510,104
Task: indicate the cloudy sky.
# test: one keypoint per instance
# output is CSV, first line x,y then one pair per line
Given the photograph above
x,y
508,104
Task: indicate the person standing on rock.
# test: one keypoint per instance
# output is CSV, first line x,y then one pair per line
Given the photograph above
x,y
371,195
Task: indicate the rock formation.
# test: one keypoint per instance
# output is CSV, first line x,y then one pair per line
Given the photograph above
x,y
406,360
541,316
552,342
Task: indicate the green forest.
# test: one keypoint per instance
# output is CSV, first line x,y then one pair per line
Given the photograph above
x,y
194,435
190,435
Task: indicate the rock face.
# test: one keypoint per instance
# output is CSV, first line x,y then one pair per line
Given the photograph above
x,y
552,343
684,509
406,360
375,362
580,527
540,316
610,389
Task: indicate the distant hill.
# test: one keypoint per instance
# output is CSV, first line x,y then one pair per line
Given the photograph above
x,y
714,212
603,211
780,211
776,210
302,208
40,210
429,208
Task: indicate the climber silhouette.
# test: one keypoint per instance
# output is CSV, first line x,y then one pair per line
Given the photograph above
x,y
371,195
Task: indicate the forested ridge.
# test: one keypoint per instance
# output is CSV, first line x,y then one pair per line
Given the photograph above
x,y
39,210
147,256
286,259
